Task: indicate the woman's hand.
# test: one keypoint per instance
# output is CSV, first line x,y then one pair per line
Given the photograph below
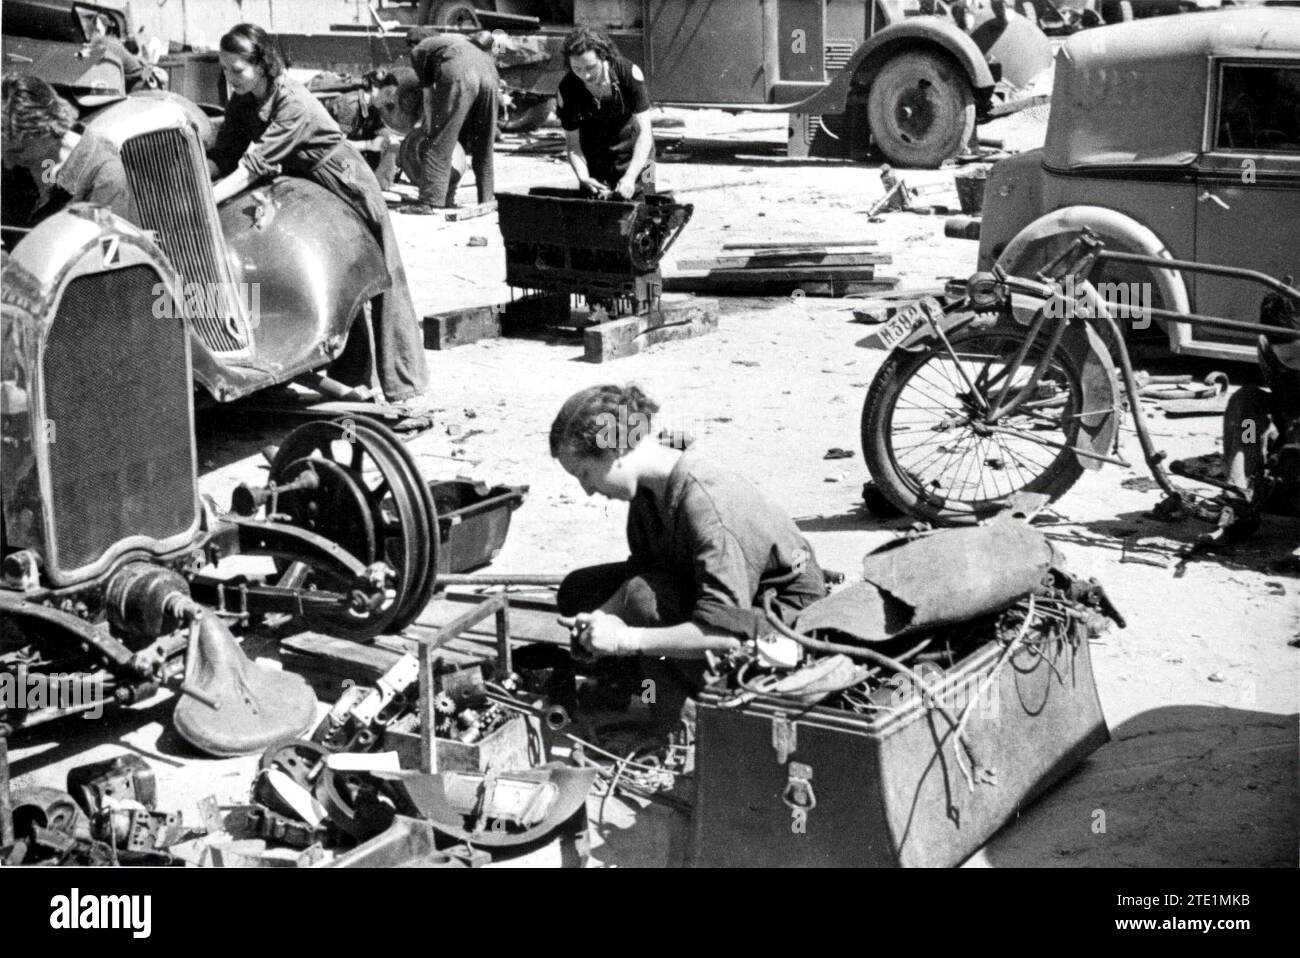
x,y
626,187
602,634
596,188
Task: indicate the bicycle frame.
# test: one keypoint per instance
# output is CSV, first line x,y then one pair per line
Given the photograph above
x,y
1077,261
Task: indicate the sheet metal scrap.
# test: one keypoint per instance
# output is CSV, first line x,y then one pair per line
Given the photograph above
x,y
939,579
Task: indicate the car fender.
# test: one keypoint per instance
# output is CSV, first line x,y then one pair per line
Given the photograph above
x,y
306,263
1036,244
911,34
1100,421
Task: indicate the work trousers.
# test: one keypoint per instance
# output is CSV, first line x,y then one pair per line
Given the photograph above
x,y
398,336
465,112
644,600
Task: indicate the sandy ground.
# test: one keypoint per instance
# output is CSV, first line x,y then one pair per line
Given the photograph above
x,y
1199,692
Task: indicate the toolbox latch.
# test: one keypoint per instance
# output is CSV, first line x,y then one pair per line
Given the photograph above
x,y
784,737
799,794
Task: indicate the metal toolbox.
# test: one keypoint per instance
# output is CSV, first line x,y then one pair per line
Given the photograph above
x,y
503,749
782,785
473,521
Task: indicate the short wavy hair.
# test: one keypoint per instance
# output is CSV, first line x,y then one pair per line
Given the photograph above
x,y
32,109
255,45
585,39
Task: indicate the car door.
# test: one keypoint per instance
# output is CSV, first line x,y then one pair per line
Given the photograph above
x,y
1248,188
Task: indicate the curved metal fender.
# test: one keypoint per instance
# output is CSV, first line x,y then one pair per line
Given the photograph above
x,y
1118,231
1100,422
307,262
912,33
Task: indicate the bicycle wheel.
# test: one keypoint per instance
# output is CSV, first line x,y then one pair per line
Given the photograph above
x,y
931,447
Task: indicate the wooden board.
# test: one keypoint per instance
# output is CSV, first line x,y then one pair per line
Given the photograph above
x,y
785,273
671,320
457,327
788,245
738,284
784,259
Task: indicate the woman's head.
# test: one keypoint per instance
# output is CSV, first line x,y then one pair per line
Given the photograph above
x,y
249,56
594,431
34,120
586,52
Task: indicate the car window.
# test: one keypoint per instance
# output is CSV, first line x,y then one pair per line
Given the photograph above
x,y
1259,108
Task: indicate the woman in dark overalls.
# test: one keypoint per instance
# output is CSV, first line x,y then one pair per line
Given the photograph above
x,y
604,106
275,126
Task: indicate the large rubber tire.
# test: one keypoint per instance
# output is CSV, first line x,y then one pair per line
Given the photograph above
x,y
911,493
458,15
921,109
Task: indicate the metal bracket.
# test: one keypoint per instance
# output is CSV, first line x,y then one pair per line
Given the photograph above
x,y
785,737
799,794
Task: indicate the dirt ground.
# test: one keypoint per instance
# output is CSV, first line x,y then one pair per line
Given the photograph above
x,y
1200,691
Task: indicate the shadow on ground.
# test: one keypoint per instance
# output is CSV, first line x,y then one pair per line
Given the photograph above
x,y
1176,787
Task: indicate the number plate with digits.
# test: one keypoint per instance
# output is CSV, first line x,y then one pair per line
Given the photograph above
x,y
901,326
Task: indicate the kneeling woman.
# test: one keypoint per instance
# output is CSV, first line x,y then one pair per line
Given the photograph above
x,y
705,545
275,126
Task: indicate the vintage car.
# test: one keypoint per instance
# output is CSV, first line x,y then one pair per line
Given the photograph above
x,y
107,549
1177,138
913,76
273,281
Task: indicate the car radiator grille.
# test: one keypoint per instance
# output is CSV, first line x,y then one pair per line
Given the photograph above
x,y
175,201
118,428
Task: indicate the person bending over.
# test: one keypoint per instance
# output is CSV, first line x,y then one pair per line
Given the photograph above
x,y
704,545
604,106
275,126
51,161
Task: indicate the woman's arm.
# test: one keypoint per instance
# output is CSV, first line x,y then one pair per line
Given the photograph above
x,y
606,634
578,160
233,184
641,150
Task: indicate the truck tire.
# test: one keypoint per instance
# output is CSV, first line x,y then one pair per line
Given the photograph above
x,y
459,15
921,109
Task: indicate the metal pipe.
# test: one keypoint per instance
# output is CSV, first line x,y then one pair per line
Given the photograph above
x,y
1217,322
496,578
1211,269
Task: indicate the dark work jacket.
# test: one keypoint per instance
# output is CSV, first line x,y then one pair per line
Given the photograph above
x,y
725,543
92,173
288,132
450,56
606,130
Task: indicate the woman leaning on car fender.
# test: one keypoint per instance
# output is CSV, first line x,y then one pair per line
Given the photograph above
x,y
274,126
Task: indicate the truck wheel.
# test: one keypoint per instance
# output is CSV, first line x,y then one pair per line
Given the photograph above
x,y
921,109
462,16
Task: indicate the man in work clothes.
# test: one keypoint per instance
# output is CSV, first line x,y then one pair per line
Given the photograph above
x,y
459,80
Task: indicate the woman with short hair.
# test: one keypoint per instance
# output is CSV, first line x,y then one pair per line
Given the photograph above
x,y
705,545
604,106
274,126
66,163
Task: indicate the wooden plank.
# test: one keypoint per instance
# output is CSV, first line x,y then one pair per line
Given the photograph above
x,y
737,284
458,327
811,244
672,320
783,273
850,287
779,260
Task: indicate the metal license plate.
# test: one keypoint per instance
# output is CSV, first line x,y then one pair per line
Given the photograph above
x,y
901,326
